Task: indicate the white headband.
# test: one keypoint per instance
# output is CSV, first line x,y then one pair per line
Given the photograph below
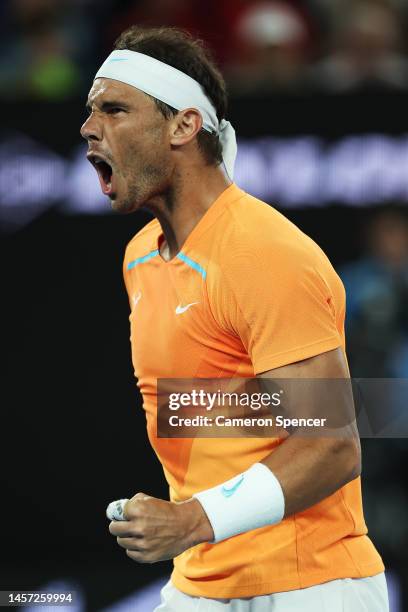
x,y
172,87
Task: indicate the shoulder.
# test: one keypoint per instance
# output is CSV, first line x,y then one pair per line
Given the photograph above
x,y
254,235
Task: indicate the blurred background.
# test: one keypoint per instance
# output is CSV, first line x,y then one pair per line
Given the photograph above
x,y
319,99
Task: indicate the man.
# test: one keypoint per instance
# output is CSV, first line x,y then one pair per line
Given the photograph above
x,y
223,286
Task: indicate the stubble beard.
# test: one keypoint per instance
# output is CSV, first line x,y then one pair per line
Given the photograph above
x,y
130,202
140,189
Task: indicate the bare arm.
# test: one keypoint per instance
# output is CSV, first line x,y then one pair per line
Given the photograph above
x,y
311,469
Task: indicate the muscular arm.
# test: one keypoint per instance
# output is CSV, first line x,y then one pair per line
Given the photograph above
x,y
311,469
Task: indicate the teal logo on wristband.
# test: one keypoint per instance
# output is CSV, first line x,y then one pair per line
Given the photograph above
x,y
228,491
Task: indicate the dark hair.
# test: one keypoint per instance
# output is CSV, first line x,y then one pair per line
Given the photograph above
x,y
180,50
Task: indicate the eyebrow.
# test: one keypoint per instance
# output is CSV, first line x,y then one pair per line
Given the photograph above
x,y
108,105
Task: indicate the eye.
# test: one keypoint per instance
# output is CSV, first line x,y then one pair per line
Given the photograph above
x,y
115,110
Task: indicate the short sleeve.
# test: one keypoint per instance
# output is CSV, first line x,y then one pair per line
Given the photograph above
x,y
284,302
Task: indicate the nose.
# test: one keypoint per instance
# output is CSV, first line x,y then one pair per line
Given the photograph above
x,y
91,129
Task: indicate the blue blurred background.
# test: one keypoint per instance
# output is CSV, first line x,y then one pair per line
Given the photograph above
x,y
319,98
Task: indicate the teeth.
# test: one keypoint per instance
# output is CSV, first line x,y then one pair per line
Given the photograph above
x,y
96,160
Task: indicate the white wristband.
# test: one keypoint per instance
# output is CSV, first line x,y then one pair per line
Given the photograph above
x,y
249,500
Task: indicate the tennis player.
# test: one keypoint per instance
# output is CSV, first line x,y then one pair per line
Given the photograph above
x,y
222,285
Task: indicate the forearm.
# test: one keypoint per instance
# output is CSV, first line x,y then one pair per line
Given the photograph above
x,y
295,476
310,470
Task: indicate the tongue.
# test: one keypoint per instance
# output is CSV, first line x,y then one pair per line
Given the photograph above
x,y
105,179
106,186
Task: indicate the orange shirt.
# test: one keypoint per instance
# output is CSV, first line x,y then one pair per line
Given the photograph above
x,y
262,295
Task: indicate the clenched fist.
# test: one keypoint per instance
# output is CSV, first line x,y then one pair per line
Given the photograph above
x,y
155,529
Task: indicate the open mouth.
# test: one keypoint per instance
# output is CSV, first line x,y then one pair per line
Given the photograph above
x,y
104,171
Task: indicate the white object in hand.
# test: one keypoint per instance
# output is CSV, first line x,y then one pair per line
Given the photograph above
x,y
114,511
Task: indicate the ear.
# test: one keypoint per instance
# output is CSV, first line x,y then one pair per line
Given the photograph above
x,y
185,126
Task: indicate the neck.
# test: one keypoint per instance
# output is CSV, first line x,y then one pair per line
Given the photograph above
x,y
184,203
